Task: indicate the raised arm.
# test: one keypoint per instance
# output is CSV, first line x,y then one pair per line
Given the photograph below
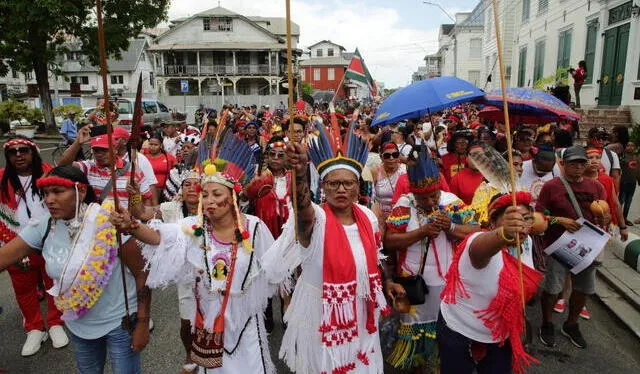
x,y
487,244
123,222
69,155
297,158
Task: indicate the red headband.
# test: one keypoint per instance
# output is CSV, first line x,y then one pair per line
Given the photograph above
x,y
425,189
57,181
388,146
276,145
21,141
522,198
594,150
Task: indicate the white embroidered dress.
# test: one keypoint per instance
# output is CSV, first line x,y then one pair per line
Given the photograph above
x,y
180,258
302,348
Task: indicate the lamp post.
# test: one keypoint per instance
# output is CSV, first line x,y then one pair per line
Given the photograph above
x,y
455,42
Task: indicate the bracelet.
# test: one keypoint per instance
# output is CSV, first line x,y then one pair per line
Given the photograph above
x,y
622,228
502,236
452,228
553,220
136,199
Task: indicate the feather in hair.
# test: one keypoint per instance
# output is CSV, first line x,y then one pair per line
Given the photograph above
x,y
492,165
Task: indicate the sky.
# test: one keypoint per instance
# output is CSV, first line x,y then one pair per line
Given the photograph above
x,y
393,36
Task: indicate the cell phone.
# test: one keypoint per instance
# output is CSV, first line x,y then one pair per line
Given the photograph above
x,y
98,130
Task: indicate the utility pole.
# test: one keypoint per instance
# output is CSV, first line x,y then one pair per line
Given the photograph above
x,y
455,41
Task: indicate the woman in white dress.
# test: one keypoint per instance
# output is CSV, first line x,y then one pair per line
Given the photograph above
x,y
217,251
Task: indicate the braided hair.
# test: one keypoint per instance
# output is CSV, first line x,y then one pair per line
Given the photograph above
x,y
10,174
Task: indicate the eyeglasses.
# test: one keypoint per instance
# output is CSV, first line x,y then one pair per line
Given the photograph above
x,y
276,154
21,150
347,184
389,155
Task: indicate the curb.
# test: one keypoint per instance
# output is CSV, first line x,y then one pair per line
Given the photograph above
x,y
629,251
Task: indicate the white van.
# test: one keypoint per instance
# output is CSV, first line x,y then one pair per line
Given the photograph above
x,y
152,110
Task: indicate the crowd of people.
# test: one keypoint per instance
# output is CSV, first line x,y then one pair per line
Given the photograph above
x,y
389,244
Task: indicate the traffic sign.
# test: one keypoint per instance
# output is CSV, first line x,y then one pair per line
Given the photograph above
x,y
184,86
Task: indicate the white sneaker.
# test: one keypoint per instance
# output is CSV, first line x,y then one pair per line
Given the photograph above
x,y
33,343
59,338
151,325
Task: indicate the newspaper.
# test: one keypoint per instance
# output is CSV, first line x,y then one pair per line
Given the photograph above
x,y
578,250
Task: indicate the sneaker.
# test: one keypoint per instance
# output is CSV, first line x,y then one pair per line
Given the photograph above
x,y
151,325
59,338
559,307
584,313
574,334
547,334
34,342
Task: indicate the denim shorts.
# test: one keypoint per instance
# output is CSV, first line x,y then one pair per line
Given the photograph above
x,y
91,354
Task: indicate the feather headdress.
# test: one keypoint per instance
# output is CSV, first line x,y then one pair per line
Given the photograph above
x,y
424,175
328,153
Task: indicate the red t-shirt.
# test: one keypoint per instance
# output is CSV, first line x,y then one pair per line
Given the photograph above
x,y
579,75
465,183
610,188
452,164
161,164
555,199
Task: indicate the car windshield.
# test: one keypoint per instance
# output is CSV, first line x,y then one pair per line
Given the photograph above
x,y
124,107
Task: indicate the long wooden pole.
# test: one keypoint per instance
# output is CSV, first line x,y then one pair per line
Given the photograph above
x,y
294,189
507,125
112,155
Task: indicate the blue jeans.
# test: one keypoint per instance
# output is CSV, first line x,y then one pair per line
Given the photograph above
x,y
91,353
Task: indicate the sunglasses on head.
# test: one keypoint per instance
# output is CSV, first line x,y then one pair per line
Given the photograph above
x,y
276,154
389,155
21,150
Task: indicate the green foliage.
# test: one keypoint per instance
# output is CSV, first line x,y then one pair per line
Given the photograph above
x,y
64,110
34,115
561,77
634,135
13,110
307,89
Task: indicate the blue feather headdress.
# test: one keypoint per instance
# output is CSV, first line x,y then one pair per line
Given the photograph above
x,y
328,153
424,175
234,164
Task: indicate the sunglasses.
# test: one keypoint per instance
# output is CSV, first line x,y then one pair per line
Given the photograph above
x,y
21,150
389,155
276,154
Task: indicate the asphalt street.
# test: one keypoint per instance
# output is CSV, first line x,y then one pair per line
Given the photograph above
x,y
611,347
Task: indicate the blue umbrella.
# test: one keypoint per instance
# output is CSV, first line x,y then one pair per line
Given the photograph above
x,y
424,97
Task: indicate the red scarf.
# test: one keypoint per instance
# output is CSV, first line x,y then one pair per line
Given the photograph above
x,y
339,325
504,316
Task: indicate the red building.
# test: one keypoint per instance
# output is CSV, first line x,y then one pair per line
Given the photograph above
x,y
326,67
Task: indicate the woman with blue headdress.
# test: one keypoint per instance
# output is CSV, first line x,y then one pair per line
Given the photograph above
x,y
422,230
332,321
217,250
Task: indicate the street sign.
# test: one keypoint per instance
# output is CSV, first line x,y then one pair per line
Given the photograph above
x,y
184,86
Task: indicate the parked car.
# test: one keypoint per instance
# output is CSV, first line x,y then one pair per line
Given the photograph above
x,y
152,110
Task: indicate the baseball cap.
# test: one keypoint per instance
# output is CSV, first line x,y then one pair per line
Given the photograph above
x,y
575,153
100,142
120,133
594,131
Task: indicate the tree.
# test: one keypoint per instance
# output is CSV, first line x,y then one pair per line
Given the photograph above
x,y
34,33
307,89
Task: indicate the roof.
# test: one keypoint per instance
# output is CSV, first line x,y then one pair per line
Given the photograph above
x,y
129,60
155,31
326,61
476,18
276,25
327,41
446,28
217,11
218,46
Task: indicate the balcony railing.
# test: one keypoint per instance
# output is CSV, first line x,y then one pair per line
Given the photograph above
x,y
192,70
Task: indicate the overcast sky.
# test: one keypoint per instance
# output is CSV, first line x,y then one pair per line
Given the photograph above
x,y
393,35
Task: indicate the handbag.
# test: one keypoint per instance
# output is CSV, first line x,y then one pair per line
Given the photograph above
x,y
414,286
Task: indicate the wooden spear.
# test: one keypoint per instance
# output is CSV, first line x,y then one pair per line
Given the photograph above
x,y
294,195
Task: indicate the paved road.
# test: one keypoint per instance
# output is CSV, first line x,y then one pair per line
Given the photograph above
x,y
612,349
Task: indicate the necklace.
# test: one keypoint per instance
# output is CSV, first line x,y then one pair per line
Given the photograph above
x,y
74,241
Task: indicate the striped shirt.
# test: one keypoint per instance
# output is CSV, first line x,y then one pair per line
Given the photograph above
x,y
99,177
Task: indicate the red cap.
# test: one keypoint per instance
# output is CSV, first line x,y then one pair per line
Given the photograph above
x,y
120,133
100,142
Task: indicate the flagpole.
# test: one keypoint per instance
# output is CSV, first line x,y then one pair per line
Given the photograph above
x,y
294,189
339,86
507,124
112,156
